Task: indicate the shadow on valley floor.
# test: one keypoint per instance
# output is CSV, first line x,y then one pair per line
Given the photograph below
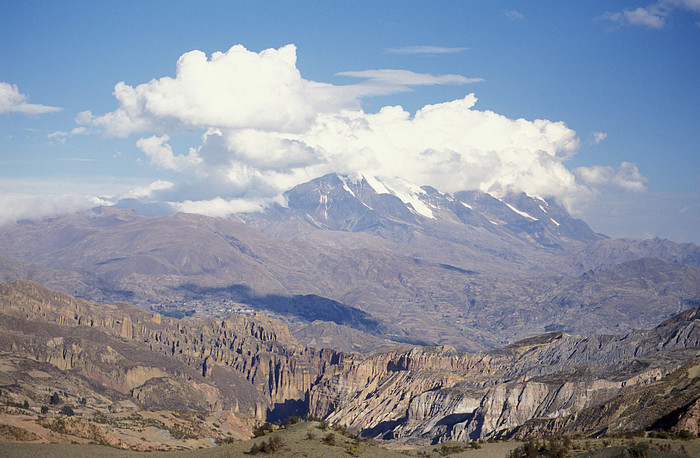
x,y
307,307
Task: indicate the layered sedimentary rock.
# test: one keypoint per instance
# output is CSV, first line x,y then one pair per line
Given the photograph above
x,y
554,383
440,395
246,363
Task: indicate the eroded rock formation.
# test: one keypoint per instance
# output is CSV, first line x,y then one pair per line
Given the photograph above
x,y
554,383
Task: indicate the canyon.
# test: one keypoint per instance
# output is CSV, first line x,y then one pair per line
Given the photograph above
x,y
127,358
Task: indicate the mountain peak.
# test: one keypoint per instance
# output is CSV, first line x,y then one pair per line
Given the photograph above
x,y
363,202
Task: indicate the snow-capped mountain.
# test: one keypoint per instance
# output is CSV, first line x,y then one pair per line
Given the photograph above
x,y
395,208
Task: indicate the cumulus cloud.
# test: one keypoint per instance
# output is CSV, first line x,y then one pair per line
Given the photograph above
x,y
235,89
653,16
161,154
265,129
12,101
451,146
626,176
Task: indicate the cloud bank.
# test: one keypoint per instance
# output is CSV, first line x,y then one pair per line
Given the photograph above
x,y
19,206
264,129
12,101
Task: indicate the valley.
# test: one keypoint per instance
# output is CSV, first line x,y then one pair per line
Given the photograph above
x,y
394,312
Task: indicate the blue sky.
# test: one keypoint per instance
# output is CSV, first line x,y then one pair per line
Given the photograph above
x,y
613,83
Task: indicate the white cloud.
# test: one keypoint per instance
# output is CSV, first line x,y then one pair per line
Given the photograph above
x,y
424,50
267,129
12,101
146,192
597,137
235,89
450,146
408,78
241,89
514,15
650,17
653,16
60,136
16,206
626,176
161,154
219,207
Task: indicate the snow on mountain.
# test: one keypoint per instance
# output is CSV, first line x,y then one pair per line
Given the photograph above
x,y
409,193
397,207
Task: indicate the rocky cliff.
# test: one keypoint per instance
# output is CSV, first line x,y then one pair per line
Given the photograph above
x,y
251,364
440,395
555,382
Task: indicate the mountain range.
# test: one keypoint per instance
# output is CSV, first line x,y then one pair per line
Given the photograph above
x,y
366,263
392,310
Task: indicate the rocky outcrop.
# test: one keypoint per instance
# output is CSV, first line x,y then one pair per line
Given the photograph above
x,y
553,383
255,360
669,403
440,395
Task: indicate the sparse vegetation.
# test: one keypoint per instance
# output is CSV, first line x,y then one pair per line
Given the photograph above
x,y
55,399
271,445
342,429
226,440
13,433
554,447
329,439
447,450
263,429
291,421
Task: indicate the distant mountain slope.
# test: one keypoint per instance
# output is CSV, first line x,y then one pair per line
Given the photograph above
x,y
472,230
377,256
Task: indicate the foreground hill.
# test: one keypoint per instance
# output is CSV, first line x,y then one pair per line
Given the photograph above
x,y
114,363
